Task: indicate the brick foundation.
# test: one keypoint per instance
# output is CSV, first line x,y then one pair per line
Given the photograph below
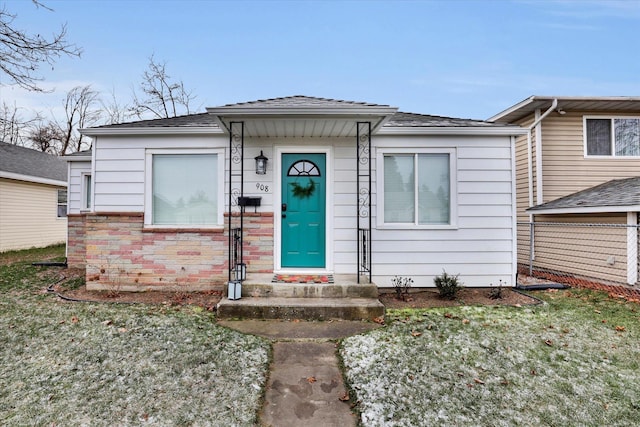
x,y
122,255
76,249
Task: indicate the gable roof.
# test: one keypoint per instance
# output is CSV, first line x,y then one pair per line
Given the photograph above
x,y
419,120
302,102
26,164
567,103
618,195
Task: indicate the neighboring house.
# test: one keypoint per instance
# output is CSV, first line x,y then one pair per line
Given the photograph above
x,y
350,188
578,176
33,198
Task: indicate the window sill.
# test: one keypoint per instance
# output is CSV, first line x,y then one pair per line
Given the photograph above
x,y
417,227
169,229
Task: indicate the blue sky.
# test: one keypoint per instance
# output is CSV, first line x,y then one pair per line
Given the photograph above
x,y
468,59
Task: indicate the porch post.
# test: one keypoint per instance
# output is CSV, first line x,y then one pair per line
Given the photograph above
x,y
363,146
236,189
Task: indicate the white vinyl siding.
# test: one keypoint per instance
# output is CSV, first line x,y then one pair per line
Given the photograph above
x,y
28,215
481,245
77,192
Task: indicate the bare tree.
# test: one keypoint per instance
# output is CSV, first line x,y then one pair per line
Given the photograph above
x,y
81,109
21,53
161,97
114,111
14,128
47,137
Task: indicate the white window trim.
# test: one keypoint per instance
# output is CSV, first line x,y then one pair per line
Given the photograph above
x,y
453,189
66,212
613,151
148,191
85,207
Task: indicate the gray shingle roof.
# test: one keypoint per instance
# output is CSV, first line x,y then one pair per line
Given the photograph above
x,y
398,119
302,101
24,161
189,120
419,120
618,192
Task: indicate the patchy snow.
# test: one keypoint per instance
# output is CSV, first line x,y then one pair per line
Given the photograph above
x,y
500,367
104,365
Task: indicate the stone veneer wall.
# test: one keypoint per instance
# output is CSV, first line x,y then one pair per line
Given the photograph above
x,y
121,255
76,249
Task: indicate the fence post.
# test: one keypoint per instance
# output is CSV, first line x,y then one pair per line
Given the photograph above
x,y
531,234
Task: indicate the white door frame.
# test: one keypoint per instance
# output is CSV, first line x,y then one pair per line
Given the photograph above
x,y
277,207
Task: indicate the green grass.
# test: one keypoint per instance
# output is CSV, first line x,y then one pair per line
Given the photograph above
x,y
107,364
572,362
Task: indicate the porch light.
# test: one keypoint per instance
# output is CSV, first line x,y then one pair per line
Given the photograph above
x,y
261,164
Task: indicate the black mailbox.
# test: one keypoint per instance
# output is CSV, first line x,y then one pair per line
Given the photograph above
x,y
249,201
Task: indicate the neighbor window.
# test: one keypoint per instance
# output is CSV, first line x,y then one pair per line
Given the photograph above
x,y
618,137
86,191
417,188
184,189
62,203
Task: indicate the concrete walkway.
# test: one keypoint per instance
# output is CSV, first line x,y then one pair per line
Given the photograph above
x,y
305,384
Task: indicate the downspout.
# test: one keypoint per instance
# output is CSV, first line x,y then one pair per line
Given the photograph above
x,y
537,121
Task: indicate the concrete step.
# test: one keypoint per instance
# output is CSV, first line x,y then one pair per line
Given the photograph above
x,y
309,290
300,308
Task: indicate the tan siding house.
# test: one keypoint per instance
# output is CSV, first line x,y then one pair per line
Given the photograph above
x,y
578,165
32,198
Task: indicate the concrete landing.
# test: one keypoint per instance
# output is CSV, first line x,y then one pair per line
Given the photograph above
x,y
305,386
300,308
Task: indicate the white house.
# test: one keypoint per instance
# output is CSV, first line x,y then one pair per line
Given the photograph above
x,y
350,189
33,198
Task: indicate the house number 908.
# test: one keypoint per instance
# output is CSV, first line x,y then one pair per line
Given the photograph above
x,y
262,187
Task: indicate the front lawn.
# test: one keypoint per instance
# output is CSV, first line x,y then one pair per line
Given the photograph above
x,y
106,364
571,362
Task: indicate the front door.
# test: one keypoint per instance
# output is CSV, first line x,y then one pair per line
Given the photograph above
x,y
303,210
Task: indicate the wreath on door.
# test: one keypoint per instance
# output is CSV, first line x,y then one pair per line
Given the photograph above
x,y
303,192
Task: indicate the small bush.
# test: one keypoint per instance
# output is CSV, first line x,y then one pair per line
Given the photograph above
x,y
402,285
448,286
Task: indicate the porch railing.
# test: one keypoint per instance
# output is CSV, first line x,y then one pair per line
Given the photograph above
x,y
364,252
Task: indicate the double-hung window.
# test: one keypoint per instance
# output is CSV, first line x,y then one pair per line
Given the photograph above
x,y
418,188
184,188
616,137
62,203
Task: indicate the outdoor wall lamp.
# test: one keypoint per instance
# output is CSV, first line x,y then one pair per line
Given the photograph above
x,y
261,164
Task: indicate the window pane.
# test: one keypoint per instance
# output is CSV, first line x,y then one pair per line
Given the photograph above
x,y
399,200
62,203
433,189
87,189
185,189
627,133
599,137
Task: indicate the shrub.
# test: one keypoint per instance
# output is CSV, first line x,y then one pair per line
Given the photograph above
x,y
402,285
448,286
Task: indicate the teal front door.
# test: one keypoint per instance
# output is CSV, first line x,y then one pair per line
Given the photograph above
x,y
303,210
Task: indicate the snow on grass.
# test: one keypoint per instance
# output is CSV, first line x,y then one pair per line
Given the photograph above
x,y
558,364
104,365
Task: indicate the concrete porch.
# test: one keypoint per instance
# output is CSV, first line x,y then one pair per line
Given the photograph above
x,y
344,299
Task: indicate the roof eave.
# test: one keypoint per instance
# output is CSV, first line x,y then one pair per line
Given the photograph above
x,y
253,112
165,130
34,179
584,210
453,130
